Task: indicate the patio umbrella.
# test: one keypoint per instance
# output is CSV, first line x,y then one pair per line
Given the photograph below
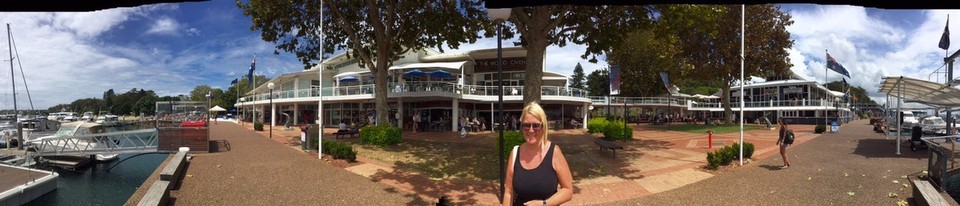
x,y
440,74
414,73
348,78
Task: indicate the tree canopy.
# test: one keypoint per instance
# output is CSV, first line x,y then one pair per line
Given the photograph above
x,y
376,32
578,78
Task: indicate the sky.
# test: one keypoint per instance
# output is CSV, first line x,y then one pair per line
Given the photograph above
x,y
171,48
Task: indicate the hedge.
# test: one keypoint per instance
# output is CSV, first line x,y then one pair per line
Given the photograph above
x,y
510,139
726,155
258,126
339,150
597,125
616,130
384,135
820,129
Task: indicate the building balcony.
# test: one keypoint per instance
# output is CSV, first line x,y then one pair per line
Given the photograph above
x,y
415,89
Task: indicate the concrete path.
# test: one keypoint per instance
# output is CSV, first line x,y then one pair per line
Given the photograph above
x,y
251,169
854,167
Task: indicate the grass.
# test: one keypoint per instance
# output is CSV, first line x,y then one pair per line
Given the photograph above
x,y
700,129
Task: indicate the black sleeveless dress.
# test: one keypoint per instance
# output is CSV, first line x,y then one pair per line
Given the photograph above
x,y
537,184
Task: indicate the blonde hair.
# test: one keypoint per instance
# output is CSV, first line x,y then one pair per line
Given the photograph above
x,y
536,111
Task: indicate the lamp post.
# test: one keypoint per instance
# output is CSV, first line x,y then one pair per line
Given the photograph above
x,y
499,16
208,108
240,116
272,113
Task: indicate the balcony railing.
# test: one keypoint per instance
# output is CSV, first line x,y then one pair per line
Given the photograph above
x,y
638,100
417,87
771,103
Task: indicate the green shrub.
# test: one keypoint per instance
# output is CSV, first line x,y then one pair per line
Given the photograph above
x,y
820,129
597,125
616,130
726,155
258,126
339,150
384,135
510,139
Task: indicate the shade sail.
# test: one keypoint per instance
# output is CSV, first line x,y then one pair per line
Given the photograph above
x,y
922,91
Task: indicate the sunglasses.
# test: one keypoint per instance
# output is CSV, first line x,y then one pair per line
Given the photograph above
x,y
534,126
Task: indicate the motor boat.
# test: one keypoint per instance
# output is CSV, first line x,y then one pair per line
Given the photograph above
x,y
80,129
908,120
108,119
87,117
934,125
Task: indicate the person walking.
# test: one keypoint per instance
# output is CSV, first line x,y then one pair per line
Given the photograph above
x,y
416,122
785,140
537,166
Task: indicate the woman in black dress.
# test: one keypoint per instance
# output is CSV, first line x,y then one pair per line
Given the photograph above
x,y
537,166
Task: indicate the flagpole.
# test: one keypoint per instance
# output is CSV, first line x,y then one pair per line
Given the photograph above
x,y
743,13
320,92
825,81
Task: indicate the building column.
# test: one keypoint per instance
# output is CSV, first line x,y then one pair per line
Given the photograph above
x,y
400,111
585,114
456,115
273,115
296,113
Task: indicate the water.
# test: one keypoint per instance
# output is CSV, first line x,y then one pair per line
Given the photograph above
x,y
94,185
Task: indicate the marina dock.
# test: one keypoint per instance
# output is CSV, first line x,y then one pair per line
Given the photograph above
x,y
21,185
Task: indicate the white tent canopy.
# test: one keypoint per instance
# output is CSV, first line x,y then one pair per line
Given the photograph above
x,y
217,109
444,65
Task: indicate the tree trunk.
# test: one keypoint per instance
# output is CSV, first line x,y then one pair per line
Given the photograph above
x,y
727,112
533,77
380,88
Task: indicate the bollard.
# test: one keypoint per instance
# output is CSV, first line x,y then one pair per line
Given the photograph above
x,y
709,139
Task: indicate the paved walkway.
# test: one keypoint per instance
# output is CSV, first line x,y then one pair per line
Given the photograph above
x,y
854,167
250,169
658,161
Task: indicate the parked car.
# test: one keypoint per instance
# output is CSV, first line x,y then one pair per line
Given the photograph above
x,y
934,125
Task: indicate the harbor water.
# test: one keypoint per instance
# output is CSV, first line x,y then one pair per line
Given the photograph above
x,y
96,185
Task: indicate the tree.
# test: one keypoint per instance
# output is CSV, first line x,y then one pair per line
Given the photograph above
x,y
597,27
598,83
577,79
641,57
708,38
146,105
376,32
108,99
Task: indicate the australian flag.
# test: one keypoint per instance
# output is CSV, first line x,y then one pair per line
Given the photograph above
x,y
833,65
234,81
253,66
945,39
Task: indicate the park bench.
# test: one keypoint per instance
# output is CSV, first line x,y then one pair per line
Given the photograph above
x,y
604,144
349,133
925,193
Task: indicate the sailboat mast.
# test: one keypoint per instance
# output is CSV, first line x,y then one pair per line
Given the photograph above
x,y
13,81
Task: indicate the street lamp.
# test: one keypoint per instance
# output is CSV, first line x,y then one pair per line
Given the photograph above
x,y
499,16
272,113
208,108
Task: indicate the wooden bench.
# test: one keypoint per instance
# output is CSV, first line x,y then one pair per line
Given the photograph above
x,y
925,193
604,144
171,172
157,195
339,134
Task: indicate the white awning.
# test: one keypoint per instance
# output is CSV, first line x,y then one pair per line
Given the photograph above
x,y
921,91
443,65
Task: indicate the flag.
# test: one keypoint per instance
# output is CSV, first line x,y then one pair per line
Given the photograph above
x,y
614,80
833,65
945,39
234,81
253,66
666,80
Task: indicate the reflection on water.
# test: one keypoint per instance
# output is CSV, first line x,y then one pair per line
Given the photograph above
x,y
95,185
951,185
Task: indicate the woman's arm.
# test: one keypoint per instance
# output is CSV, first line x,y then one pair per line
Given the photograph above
x,y
565,193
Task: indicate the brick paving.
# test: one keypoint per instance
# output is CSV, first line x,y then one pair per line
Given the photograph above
x,y
255,170
657,161
854,167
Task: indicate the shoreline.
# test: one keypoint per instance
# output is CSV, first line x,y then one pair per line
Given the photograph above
x,y
137,195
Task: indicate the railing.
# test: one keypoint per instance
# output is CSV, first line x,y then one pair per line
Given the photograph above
x,y
771,103
134,141
415,87
638,100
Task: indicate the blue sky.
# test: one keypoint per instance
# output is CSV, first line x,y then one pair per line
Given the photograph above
x,y
170,48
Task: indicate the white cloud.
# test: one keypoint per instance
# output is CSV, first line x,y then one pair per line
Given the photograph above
x,y
164,25
193,32
866,44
